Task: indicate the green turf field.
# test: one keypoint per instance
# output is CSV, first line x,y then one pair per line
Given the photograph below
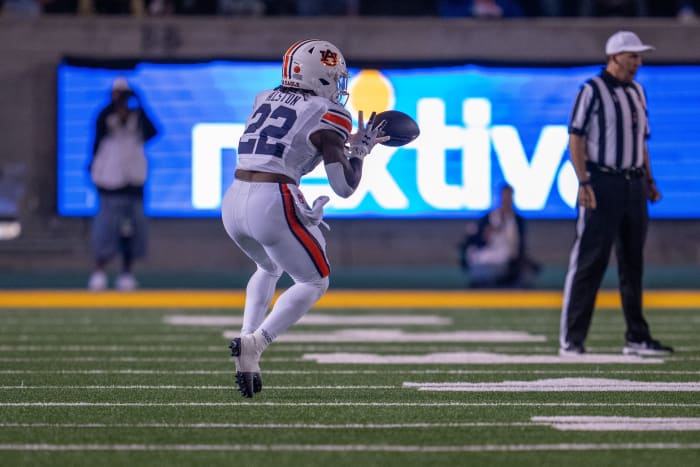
x,y
368,385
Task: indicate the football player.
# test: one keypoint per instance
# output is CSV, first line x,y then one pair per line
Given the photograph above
x,y
291,130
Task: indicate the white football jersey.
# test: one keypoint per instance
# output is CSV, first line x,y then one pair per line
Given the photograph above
x,y
276,137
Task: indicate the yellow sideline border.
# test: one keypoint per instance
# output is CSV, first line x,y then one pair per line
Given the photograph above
x,y
45,298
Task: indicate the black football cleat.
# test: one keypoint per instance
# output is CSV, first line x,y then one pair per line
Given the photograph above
x,y
249,382
257,382
235,347
245,383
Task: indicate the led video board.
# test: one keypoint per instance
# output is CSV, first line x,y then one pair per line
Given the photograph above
x,y
481,126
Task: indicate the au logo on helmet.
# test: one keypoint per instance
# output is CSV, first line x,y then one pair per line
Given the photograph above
x,y
328,57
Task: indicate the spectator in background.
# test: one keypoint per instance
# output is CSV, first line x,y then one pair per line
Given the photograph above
x,y
395,8
613,8
480,8
118,170
60,6
205,7
326,8
241,7
20,8
159,7
196,7
552,8
115,7
90,7
280,7
687,10
493,252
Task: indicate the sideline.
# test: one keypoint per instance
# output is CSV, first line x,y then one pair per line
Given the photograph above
x,y
47,298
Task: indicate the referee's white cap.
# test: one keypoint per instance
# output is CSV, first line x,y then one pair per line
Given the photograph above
x,y
625,41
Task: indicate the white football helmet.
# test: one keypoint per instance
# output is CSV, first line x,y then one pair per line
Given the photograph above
x,y
317,66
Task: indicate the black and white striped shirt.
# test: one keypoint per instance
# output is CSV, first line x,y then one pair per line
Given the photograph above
x,y
612,115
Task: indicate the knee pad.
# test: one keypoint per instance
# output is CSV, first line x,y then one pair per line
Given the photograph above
x,y
320,285
324,283
275,271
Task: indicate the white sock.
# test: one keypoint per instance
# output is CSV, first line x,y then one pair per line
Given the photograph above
x,y
258,295
261,340
291,306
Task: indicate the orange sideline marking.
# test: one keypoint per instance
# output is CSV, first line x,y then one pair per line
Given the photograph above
x,y
44,298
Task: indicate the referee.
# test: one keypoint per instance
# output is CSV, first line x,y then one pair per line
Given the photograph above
x,y
607,145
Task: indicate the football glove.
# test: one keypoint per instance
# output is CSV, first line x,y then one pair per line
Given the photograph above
x,y
312,215
362,142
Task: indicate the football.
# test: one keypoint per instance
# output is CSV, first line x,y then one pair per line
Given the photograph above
x,y
399,126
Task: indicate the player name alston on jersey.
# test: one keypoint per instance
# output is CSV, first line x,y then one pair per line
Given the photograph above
x,y
286,98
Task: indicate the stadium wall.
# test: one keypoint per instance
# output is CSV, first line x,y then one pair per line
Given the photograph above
x,y
30,49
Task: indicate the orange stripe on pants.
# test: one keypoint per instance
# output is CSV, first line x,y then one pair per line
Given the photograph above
x,y
307,240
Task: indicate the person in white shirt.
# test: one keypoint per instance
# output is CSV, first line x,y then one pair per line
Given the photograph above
x,y
119,169
493,251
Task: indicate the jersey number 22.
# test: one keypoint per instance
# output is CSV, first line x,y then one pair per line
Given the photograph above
x,y
284,120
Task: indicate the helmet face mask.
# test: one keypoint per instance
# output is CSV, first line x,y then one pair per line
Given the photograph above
x,y
316,66
342,89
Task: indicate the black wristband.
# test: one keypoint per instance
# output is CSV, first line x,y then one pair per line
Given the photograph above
x,y
584,183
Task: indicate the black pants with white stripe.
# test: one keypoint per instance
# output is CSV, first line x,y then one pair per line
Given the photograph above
x,y
620,219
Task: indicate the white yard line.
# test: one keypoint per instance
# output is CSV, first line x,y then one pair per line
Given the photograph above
x,y
353,447
547,385
603,423
112,348
445,371
200,388
96,339
559,385
399,335
287,347
562,423
349,404
470,358
535,335
311,426
316,319
566,423
138,359
116,372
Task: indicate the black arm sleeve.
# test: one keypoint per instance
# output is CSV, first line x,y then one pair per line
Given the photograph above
x,y
147,127
100,132
479,237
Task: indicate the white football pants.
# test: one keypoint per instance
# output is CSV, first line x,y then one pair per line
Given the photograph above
x,y
263,221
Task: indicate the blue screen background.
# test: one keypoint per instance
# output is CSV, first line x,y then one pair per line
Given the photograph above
x,y
180,96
